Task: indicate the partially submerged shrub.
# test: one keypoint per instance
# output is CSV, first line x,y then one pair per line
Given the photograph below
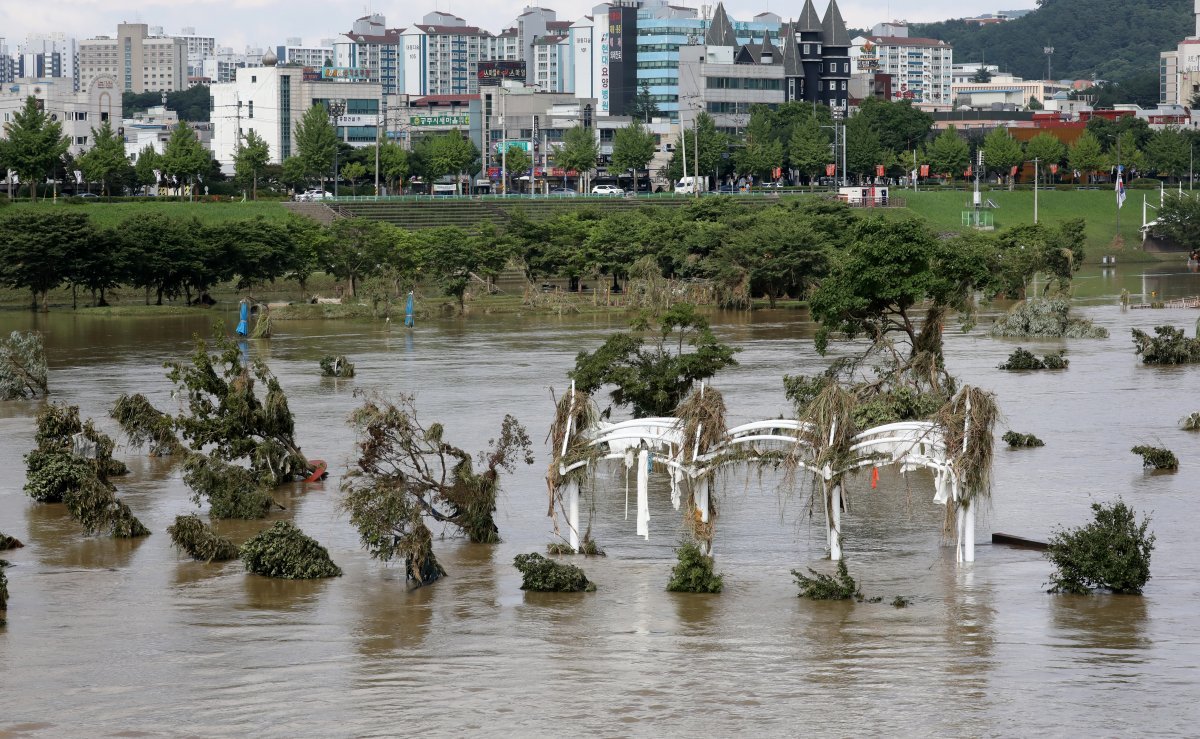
x,y
694,572
1023,359
547,576
22,366
1016,440
1192,422
97,508
9,542
1159,458
589,548
285,551
901,602
232,491
338,366
824,587
559,548
1046,318
144,424
1112,552
49,476
199,541
1169,345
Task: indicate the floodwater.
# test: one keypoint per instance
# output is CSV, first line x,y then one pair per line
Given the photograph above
x,y
115,637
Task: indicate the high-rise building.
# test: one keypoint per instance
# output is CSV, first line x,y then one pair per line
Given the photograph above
x,y
139,62
48,55
442,55
295,53
371,46
8,65
199,49
922,69
1179,69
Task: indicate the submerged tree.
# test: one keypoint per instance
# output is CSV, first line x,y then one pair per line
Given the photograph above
x,y
1112,552
544,575
819,586
22,366
144,424
200,542
338,366
232,491
226,416
654,378
285,551
72,464
1169,345
694,572
407,472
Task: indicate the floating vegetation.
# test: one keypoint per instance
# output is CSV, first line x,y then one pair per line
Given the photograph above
x,y
144,424
1017,440
1112,552
199,541
285,551
1192,422
547,576
407,471
825,587
694,571
95,506
23,372
9,542
901,602
1158,458
1022,359
338,366
1169,345
967,422
226,416
1038,318
232,491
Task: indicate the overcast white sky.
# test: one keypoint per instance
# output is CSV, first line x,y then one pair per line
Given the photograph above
x,y
264,23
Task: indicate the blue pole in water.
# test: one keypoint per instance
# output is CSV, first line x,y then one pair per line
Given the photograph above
x,y
408,311
241,327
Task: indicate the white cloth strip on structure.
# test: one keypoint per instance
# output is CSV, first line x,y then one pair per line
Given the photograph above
x,y
643,494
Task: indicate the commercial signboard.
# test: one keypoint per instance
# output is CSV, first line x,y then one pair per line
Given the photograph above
x,y
502,146
492,73
336,74
439,120
622,59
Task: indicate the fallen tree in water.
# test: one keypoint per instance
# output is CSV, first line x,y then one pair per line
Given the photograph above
x,y
23,372
231,491
543,575
406,471
199,541
144,425
286,552
1158,458
1045,318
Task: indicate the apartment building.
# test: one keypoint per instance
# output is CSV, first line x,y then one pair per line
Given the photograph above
x,y
922,69
294,52
53,55
199,48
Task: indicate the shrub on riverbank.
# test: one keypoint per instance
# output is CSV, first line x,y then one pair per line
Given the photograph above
x,y
1112,552
286,552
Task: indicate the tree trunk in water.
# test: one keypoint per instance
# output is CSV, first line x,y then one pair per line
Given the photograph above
x,y
74,296
147,296
33,303
45,301
159,301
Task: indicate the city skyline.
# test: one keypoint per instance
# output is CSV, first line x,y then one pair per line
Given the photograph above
x,y
272,21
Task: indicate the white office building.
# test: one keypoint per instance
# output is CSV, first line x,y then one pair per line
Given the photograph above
x,y
139,62
78,111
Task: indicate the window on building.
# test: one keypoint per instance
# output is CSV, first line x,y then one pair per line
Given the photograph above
x,y
806,49
251,106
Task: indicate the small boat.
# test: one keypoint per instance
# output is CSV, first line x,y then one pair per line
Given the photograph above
x,y
319,470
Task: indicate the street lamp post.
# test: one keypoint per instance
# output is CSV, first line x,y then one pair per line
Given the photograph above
x,y
336,109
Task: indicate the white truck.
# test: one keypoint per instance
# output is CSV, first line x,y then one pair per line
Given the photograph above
x,y
689,185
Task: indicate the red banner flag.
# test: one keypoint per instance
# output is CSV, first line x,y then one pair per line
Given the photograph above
x,y
1014,171
777,172
924,170
830,169
879,170
967,173
1053,169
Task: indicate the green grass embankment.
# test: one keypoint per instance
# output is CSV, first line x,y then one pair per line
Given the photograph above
x,y
112,214
1098,208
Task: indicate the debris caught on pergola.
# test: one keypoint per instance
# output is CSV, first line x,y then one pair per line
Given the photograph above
x,y
23,371
406,472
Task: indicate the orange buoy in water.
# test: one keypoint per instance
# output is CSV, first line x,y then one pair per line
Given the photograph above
x,y
874,476
320,470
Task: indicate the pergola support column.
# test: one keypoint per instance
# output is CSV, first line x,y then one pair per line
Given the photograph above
x,y
573,513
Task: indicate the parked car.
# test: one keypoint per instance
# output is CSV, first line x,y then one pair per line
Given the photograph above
x,y
608,190
310,195
563,192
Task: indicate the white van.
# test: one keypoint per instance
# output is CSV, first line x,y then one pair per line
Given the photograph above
x,y
687,185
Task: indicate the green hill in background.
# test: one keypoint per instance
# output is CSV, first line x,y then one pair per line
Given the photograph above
x,y
1116,40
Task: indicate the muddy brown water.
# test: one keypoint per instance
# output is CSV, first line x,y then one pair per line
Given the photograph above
x,y
128,637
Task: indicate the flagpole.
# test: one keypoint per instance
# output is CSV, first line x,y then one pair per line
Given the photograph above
x,y
1119,184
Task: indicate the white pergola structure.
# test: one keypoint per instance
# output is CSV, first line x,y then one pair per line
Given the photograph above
x,y
644,441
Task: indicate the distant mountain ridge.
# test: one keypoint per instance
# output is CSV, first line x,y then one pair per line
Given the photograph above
x,y
1116,40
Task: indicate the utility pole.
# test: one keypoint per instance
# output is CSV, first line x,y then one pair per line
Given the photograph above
x,y
503,144
696,157
336,108
378,130
683,139
1035,190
